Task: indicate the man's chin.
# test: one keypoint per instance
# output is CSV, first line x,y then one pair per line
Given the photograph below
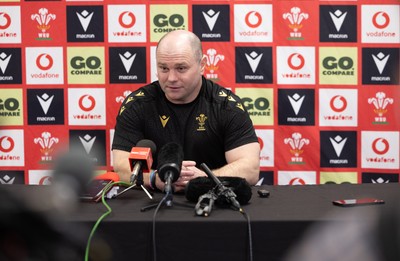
x,y
175,98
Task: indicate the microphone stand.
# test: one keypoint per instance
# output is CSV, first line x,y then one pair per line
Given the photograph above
x,y
168,191
136,181
167,199
205,204
221,191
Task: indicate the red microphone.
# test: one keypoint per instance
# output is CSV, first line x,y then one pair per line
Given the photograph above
x,y
141,158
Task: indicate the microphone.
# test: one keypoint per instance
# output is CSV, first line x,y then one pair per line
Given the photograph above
x,y
141,158
169,164
221,190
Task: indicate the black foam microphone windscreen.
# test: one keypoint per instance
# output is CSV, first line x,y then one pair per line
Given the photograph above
x,y
201,185
147,144
170,160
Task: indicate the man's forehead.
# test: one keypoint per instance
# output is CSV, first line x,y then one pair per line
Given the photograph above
x,y
173,63
174,59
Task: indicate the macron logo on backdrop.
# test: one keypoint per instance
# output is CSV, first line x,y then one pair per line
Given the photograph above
x,y
4,60
211,18
127,59
87,142
380,61
254,60
338,144
338,18
296,101
45,101
84,18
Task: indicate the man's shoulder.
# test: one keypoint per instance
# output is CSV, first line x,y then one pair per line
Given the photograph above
x,y
215,91
222,95
143,94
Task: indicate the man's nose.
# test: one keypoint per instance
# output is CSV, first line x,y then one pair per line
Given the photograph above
x,y
172,76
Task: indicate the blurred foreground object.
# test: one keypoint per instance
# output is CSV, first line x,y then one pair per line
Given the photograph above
x,y
27,233
72,172
367,233
32,225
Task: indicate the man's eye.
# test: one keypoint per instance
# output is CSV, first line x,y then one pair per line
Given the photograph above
x,y
181,69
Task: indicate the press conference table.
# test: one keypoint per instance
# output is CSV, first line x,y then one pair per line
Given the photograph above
x,y
277,222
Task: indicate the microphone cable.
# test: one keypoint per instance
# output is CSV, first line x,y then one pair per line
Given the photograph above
x,y
247,217
108,212
236,205
164,199
230,197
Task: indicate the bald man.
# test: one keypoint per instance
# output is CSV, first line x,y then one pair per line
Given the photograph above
x,y
207,120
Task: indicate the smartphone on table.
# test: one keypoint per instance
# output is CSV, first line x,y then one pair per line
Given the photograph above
x,y
95,189
357,202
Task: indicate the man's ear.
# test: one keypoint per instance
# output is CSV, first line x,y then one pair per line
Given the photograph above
x,y
203,63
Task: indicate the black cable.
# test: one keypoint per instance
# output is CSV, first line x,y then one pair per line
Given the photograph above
x,y
154,226
241,210
247,217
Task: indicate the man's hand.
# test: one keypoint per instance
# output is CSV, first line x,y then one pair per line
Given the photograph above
x,y
188,172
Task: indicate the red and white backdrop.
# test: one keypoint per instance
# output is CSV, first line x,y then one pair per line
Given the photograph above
x,y
320,80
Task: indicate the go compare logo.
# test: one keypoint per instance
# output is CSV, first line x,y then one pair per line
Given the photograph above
x,y
338,65
86,65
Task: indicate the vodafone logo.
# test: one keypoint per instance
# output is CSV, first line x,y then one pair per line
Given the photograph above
x,y
253,19
380,146
5,21
6,144
297,181
46,180
44,61
338,103
86,106
87,103
381,20
127,19
261,142
296,61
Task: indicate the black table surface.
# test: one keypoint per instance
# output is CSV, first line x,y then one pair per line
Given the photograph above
x,y
277,222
